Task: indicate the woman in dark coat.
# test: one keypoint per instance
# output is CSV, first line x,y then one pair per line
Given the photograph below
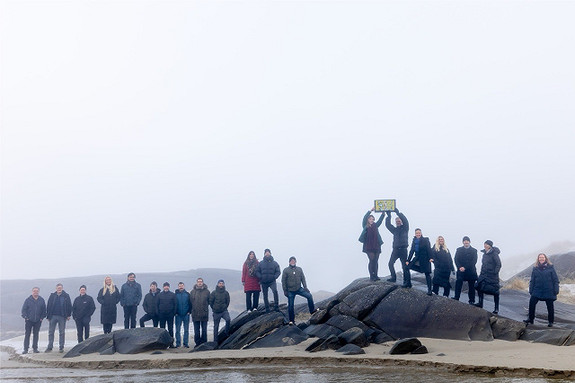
x,y
443,266
251,282
108,296
372,242
544,286
418,258
488,280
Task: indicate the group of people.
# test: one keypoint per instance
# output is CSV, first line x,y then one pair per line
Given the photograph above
x,y
544,284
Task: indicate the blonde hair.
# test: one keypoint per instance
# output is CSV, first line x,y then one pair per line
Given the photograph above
x,y
111,288
546,259
438,246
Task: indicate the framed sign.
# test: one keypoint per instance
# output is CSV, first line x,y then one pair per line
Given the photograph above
x,y
384,204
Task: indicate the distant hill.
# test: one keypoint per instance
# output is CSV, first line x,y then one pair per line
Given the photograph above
x,y
564,266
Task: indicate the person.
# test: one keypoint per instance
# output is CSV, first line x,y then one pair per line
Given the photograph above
x,y
419,258
200,302
219,302
130,297
267,272
488,280
442,266
108,297
251,282
543,286
150,306
33,312
167,306
182,315
465,261
372,242
293,283
58,312
82,311
400,243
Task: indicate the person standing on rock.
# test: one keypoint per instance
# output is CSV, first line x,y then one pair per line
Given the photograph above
x,y
442,266
372,242
251,282
108,297
167,306
58,312
400,243
267,272
33,311
130,297
293,283
419,258
150,306
183,315
488,280
82,311
200,302
465,261
219,302
543,286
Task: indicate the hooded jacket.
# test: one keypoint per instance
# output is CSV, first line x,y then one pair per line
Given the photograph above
x,y
292,279
268,270
219,299
200,302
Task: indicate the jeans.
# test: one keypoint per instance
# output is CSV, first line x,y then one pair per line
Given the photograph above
x,y
146,317
34,329
130,316
400,254
83,328
217,317
274,288
256,298
185,320
202,337
61,322
550,309
291,298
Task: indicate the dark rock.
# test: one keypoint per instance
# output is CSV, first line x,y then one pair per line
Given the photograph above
x,y
324,344
284,336
157,352
136,340
206,346
319,316
420,350
360,303
554,336
344,323
354,335
440,354
380,337
322,331
253,330
96,343
303,325
239,321
405,346
109,351
506,329
351,349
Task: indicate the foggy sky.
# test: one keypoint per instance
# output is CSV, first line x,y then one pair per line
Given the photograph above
x,y
142,136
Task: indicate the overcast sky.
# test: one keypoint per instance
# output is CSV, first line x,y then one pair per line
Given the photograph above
x,y
174,135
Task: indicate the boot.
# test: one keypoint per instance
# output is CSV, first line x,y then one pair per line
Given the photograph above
x,y
428,281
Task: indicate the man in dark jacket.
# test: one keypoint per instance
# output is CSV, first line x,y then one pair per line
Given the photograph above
x,y
182,314
130,297
200,302
150,306
267,272
465,261
400,243
167,305
58,311
33,311
293,283
82,311
219,302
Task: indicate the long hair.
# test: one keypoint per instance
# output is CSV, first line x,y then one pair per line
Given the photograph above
x,y
248,257
438,246
111,288
546,259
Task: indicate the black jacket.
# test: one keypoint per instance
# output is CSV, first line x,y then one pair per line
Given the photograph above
x,y
219,300
83,307
443,266
268,270
109,309
150,304
488,280
544,282
66,305
400,233
420,262
167,304
466,258
34,310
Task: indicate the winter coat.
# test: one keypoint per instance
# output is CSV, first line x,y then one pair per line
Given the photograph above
x,y
401,233
544,282
83,307
130,294
200,301
363,234
109,302
419,261
443,266
167,304
292,279
150,304
34,310
183,299
251,282
488,280
64,301
467,258
268,270
219,300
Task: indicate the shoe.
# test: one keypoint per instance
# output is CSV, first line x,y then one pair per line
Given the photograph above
x,y
527,321
495,312
391,280
186,346
406,286
472,302
36,351
172,346
550,325
61,350
24,352
255,309
457,299
376,278
478,305
429,293
48,350
290,323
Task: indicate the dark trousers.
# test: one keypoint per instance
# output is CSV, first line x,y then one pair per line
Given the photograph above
x,y
373,265
446,290
59,321
130,316
252,300
167,320
274,288
146,317
291,300
550,309
200,332
480,295
34,329
83,328
470,291
217,317
107,327
401,254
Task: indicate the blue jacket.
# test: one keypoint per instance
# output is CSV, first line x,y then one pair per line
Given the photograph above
x,y
544,282
34,310
130,294
183,306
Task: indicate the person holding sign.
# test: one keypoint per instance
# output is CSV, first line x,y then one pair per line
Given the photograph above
x,y
372,242
400,244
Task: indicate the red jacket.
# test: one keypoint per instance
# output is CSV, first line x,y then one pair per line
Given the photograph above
x,y
250,283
